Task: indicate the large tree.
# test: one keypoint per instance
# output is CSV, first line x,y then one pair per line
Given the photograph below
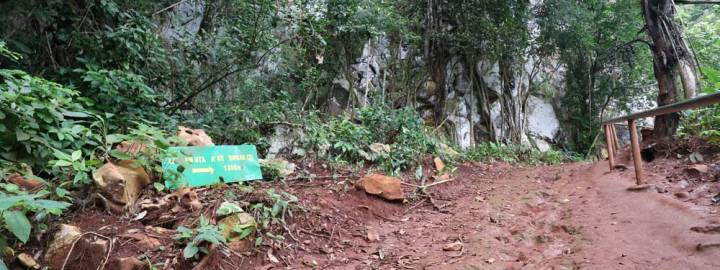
x,y
672,58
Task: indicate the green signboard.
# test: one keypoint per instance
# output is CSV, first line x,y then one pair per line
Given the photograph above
x,y
206,165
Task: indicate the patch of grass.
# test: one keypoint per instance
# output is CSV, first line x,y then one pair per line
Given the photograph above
x,y
495,151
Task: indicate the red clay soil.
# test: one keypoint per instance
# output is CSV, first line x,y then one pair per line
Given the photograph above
x,y
575,216
497,216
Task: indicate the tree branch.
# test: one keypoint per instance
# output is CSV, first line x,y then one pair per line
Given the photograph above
x,y
168,7
697,2
636,41
212,82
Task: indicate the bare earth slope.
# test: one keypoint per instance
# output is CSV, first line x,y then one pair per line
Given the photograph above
x,y
644,230
574,216
492,216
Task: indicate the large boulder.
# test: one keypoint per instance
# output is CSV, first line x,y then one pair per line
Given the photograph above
x,y
120,183
281,166
62,240
387,187
87,253
194,137
237,226
543,125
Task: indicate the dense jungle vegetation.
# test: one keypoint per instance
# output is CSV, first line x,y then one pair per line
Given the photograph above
x,y
447,78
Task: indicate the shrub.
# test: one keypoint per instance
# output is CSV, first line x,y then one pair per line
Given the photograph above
x,y
492,151
704,123
40,117
346,139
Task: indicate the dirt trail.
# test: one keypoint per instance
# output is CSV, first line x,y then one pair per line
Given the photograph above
x,y
574,216
644,230
492,216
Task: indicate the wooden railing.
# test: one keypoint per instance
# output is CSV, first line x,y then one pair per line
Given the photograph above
x,y
611,135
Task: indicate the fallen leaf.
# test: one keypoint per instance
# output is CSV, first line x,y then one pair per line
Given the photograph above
x,y
457,246
140,216
272,257
372,235
439,164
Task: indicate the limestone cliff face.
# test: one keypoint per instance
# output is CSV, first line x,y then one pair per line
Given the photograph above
x,y
470,100
461,118
183,20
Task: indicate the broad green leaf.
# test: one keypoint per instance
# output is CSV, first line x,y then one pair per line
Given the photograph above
x,y
204,222
76,155
227,208
7,202
61,192
276,209
246,232
12,188
120,155
114,138
21,135
184,233
54,207
76,114
159,186
190,250
2,265
61,155
76,129
62,163
18,224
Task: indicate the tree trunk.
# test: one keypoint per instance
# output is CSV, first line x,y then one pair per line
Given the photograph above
x,y
436,50
482,100
512,103
671,57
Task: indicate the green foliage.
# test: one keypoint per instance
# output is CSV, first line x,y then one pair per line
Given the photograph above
x,y
364,18
704,123
491,151
39,118
283,204
16,205
248,116
5,52
154,143
399,134
123,94
712,81
227,208
194,239
701,27
73,166
607,62
501,26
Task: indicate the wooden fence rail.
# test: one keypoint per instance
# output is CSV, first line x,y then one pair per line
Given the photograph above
x,y
611,135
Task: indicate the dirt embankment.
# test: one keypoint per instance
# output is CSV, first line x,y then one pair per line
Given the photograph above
x,y
491,216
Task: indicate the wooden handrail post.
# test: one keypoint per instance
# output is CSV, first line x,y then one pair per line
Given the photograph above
x,y
610,146
637,160
615,138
